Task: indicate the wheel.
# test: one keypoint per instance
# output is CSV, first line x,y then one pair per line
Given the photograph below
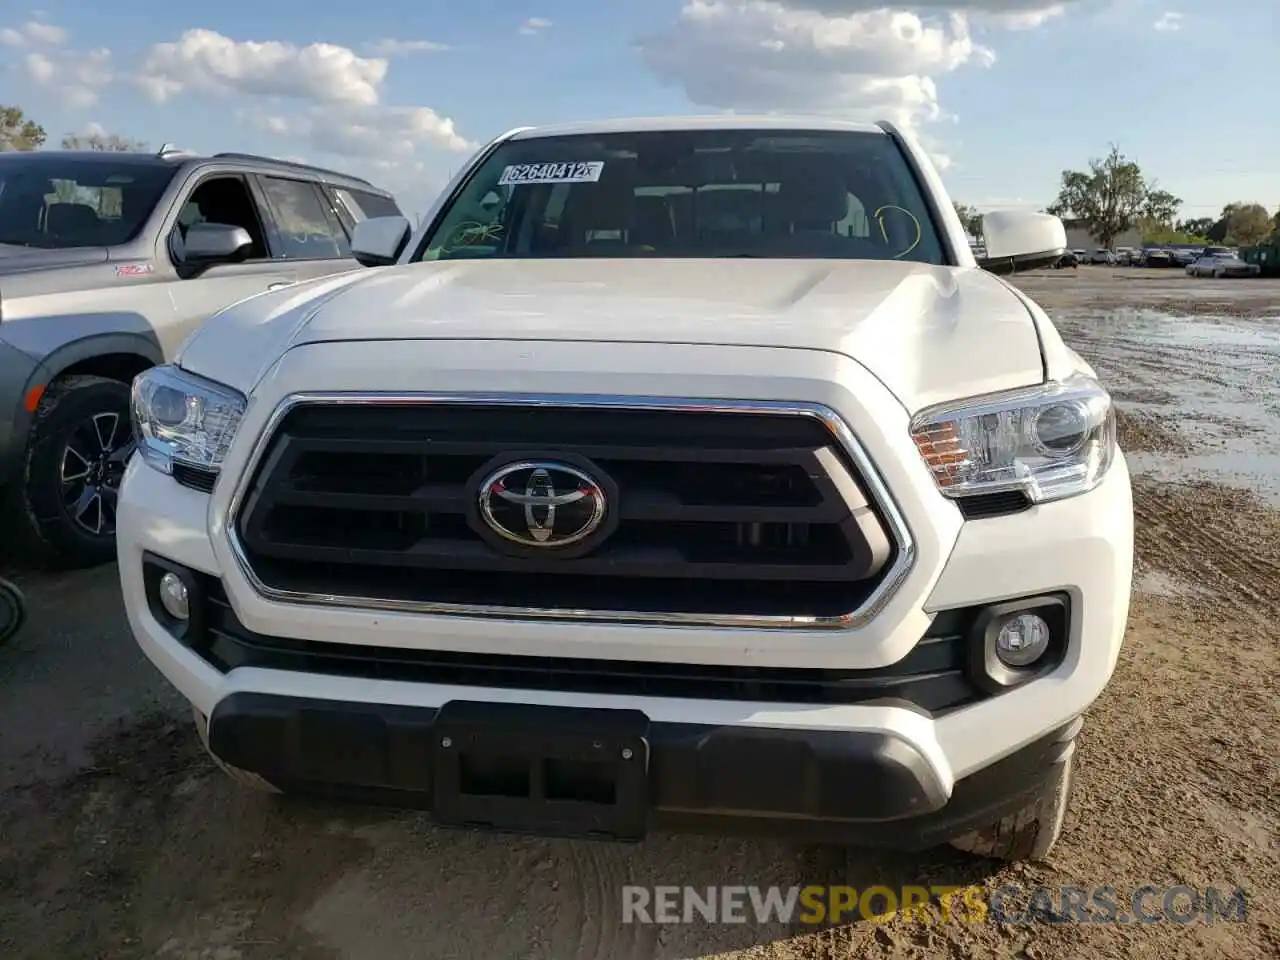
x,y
1032,832
61,510
13,611
242,777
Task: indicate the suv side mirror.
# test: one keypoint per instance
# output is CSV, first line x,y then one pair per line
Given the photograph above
x,y
1020,240
209,243
379,241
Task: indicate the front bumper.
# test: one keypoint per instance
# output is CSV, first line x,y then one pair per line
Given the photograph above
x,y
865,787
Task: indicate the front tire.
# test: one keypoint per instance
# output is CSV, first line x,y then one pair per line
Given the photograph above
x,y
1032,832
61,509
13,611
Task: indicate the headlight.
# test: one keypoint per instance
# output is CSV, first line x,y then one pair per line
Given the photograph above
x,y
1050,442
179,417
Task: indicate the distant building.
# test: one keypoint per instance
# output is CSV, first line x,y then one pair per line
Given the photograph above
x,y
1079,237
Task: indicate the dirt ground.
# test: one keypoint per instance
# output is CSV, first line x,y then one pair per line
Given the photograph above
x,y
118,838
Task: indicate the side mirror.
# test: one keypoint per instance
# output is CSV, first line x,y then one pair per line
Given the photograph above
x,y
379,241
1020,240
208,243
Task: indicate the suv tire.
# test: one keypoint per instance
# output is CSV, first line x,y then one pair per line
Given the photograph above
x,y
80,443
242,777
1032,832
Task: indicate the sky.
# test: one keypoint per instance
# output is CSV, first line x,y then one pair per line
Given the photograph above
x,y
1004,94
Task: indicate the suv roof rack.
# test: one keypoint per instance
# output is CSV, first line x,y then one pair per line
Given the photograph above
x,y
256,158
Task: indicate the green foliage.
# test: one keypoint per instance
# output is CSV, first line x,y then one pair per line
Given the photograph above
x,y
1163,236
1243,225
970,217
17,132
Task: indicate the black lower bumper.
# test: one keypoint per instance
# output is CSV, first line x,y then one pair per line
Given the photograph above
x,y
614,774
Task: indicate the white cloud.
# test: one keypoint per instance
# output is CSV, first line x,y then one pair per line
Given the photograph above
x,y
534,25
322,97
75,77
205,61
848,59
391,133
33,33
400,48
1028,19
1169,22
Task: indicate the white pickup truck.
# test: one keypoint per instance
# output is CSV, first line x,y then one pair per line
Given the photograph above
x,y
677,473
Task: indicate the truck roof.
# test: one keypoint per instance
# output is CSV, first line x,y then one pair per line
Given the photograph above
x,y
714,122
171,158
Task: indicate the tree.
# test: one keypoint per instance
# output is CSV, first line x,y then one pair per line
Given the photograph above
x,y
1160,207
1197,226
970,218
107,142
1111,196
17,132
1242,224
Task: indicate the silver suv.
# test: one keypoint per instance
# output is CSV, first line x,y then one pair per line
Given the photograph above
x,y
108,261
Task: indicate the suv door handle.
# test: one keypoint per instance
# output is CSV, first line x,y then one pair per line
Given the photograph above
x,y
279,285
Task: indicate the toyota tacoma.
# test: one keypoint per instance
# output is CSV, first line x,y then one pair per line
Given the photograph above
x,y
674,474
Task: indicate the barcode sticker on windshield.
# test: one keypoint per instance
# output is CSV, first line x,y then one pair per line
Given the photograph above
x,y
578,172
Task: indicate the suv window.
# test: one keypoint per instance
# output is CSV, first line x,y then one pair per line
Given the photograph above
x,y
365,206
306,227
691,193
62,202
223,199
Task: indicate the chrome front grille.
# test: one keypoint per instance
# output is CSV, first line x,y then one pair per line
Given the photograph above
x,y
716,512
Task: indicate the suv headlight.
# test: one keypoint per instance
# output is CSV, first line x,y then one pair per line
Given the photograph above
x,y
1049,442
179,417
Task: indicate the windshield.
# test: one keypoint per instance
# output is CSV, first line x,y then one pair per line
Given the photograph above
x,y
61,202
696,193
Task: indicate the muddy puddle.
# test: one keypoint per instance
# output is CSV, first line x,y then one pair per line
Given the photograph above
x,y
1199,396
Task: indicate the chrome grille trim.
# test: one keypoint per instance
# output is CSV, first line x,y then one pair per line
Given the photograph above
x,y
892,579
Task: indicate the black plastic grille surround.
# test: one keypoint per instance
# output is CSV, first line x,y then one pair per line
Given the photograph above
x,y
711,512
932,677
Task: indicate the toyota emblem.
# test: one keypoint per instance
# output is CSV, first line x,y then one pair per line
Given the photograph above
x,y
542,503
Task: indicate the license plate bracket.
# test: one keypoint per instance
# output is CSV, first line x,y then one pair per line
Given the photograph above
x,y
552,771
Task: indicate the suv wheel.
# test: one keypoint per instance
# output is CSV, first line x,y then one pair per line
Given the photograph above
x,y
62,507
1032,832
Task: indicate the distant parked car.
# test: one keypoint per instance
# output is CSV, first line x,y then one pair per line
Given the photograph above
x,y
1222,266
1184,257
1157,258
1102,256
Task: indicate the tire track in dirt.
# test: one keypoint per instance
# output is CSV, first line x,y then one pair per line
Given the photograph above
x,y
1212,538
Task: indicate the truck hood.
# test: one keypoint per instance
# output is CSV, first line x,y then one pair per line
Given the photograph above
x,y
23,259
930,334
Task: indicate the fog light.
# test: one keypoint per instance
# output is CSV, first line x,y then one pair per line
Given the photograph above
x,y
1022,640
174,597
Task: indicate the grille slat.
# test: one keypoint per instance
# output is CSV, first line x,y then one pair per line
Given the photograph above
x,y
931,677
723,512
